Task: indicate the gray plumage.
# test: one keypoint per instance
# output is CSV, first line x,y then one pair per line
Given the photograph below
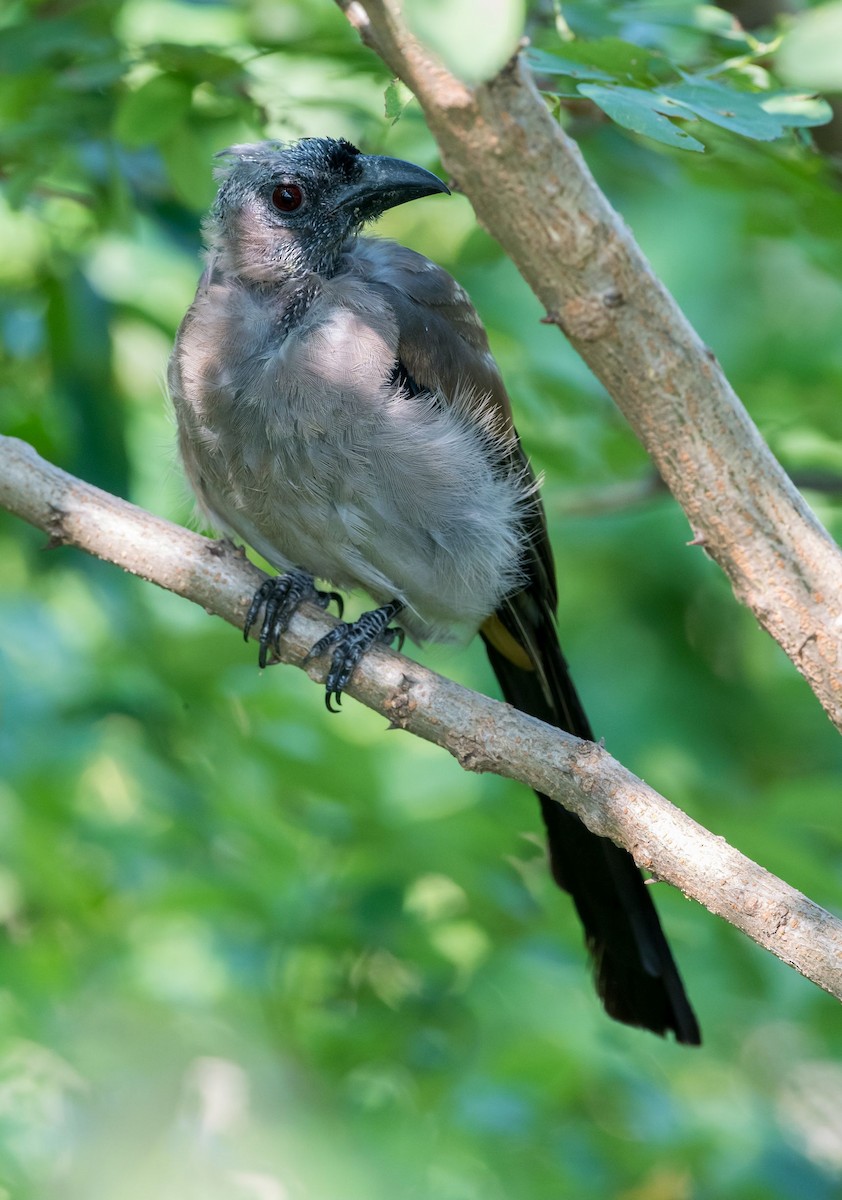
x,y
298,435
339,409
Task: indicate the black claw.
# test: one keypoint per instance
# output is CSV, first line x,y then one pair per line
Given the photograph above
x,y
338,601
280,597
350,642
323,599
254,608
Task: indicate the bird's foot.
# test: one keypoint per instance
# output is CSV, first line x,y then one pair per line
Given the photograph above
x,y
350,641
279,597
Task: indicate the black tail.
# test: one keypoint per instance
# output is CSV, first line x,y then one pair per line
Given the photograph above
x,y
636,976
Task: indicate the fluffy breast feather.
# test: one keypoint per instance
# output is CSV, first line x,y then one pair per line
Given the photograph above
x,y
299,441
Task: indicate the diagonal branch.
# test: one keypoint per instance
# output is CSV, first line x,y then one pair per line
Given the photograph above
x,y
532,190
482,734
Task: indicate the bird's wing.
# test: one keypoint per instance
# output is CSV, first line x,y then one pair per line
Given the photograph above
x,y
442,344
441,335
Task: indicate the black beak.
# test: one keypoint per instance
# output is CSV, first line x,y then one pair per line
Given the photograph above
x,y
387,182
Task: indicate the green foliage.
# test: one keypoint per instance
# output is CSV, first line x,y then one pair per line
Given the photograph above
x,y
644,84
247,950
810,53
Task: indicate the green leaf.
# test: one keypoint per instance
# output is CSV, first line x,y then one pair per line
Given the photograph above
x,y
186,156
763,116
391,102
759,115
641,112
604,58
811,54
53,42
706,18
796,108
544,63
87,77
740,112
152,111
395,98
195,63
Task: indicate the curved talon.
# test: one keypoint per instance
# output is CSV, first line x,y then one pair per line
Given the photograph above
x,y
389,636
257,601
324,599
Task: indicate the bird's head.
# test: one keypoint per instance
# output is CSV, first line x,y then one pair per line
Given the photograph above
x,y
286,210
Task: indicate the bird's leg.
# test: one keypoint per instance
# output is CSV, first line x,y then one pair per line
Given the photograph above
x,y
279,597
351,641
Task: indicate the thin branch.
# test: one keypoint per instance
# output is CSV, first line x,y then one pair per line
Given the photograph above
x,y
532,190
482,734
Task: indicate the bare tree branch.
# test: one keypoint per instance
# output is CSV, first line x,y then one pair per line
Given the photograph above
x,y
532,190
482,734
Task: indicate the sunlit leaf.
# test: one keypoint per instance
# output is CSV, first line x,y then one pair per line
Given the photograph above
x,y
796,108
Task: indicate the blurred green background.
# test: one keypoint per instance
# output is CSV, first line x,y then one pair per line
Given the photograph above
x,y
251,951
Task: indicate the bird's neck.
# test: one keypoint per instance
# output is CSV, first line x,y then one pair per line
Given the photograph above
x,y
260,256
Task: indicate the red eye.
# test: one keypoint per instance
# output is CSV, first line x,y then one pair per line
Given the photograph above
x,y
287,197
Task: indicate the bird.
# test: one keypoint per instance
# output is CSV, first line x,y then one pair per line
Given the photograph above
x,y
339,409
